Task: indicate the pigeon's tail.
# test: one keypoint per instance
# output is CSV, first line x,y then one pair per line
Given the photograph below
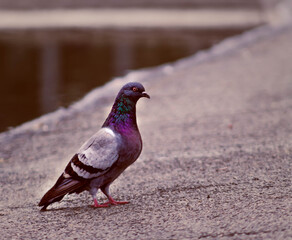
x,y
60,189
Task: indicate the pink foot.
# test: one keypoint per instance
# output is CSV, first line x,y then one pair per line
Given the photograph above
x,y
114,202
97,205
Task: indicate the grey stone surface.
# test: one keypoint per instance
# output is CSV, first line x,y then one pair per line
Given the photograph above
x,y
216,162
132,19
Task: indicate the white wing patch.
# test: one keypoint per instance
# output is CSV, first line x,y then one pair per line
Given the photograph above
x,y
111,132
81,172
99,152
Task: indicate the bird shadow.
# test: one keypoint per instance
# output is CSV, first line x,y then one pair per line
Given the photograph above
x,y
76,209
66,209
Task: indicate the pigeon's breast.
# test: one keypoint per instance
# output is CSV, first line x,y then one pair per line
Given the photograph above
x,y
131,147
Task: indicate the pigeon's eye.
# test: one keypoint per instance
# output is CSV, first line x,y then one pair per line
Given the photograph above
x,y
135,89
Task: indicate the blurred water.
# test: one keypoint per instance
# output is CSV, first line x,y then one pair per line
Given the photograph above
x,y
43,70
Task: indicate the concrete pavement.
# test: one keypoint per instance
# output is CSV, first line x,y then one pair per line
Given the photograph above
x,y
217,152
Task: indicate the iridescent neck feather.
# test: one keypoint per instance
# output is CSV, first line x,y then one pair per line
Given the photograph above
x,y
122,117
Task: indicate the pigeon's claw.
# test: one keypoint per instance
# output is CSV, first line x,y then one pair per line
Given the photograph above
x,y
97,205
114,202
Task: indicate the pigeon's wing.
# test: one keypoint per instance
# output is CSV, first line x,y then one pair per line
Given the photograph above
x,y
96,156
62,187
93,159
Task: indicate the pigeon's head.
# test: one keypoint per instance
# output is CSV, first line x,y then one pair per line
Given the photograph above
x,y
133,91
123,112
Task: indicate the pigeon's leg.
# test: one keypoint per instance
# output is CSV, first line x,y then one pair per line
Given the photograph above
x,y
96,204
105,190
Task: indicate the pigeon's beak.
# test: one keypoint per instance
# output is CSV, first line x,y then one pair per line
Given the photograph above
x,y
145,95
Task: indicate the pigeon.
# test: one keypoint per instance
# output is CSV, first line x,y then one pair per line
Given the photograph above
x,y
104,156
